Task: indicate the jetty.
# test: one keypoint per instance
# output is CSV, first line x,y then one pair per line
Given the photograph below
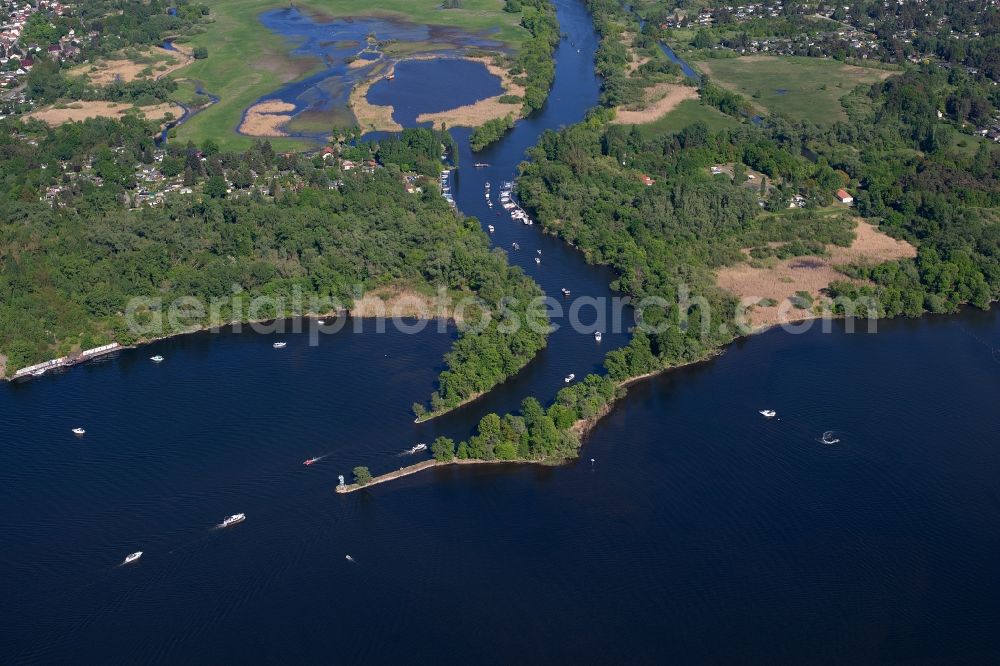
x,y
66,361
389,476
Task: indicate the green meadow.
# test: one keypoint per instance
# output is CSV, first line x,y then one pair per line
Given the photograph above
x,y
800,88
246,60
687,113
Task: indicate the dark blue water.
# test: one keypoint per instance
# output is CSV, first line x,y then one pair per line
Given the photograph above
x,y
426,86
700,533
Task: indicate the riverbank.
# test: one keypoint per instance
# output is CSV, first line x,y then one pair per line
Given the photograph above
x,y
383,303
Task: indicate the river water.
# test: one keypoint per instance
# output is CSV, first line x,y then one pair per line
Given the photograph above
x,y
700,531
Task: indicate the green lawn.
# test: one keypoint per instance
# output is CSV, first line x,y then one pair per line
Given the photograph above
x,y
686,113
801,88
246,60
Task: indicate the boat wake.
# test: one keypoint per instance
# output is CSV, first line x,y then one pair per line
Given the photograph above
x,y
829,438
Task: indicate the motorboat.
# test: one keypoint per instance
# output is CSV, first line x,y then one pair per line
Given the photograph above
x,y
490,227
280,345
79,432
597,335
565,291
480,165
828,438
311,461
418,448
570,377
537,260
538,251
515,246
38,373
156,359
129,559
768,413
234,519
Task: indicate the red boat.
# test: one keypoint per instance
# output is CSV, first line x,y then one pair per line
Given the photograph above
x,y
310,461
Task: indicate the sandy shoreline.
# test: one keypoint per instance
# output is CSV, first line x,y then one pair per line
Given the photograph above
x,y
367,311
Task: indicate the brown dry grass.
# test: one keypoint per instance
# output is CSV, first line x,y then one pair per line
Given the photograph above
x,y
474,115
266,119
79,111
661,100
780,280
400,302
106,71
371,116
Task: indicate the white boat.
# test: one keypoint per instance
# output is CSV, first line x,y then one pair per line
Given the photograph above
x,y
490,227
768,413
156,359
490,204
597,335
233,520
828,438
129,559
565,291
570,377
418,448
538,251
537,260
320,321
79,432
515,246
480,165
280,345
38,373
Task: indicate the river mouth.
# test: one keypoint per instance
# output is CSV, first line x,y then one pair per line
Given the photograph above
x,y
348,51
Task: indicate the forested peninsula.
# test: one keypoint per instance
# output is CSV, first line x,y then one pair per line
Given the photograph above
x,y
651,206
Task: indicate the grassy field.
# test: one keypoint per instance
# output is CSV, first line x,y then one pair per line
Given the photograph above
x,y
688,112
246,60
801,88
